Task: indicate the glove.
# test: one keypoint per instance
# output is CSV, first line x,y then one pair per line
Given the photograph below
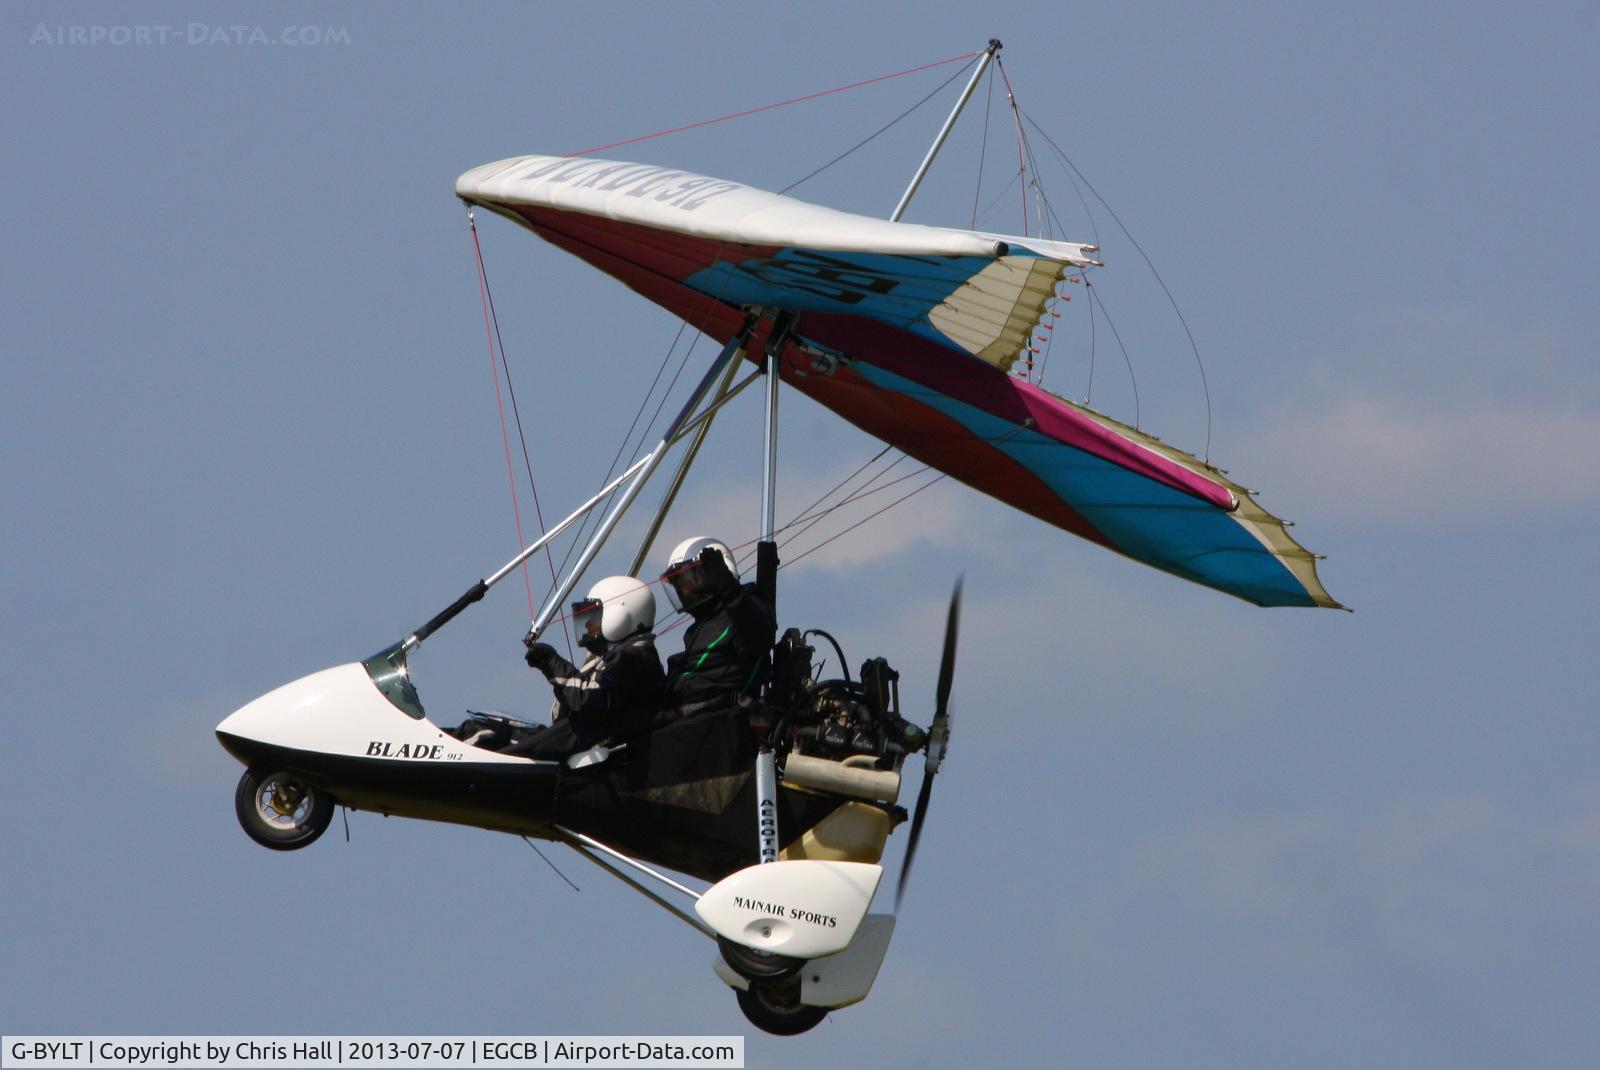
x,y
541,655
714,567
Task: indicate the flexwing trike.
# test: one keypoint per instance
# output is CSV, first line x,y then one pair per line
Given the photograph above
x,y
911,334
785,804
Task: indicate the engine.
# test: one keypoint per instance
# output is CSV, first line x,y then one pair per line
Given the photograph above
x,y
839,719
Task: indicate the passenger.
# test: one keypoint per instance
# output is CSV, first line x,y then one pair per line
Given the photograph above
x,y
727,651
618,689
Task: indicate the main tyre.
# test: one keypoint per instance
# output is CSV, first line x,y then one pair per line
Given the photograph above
x,y
776,1008
279,810
755,965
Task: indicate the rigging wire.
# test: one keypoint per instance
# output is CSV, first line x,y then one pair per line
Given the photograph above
x,y
746,549
505,436
983,152
806,517
970,57
933,93
1046,214
742,551
511,391
863,493
551,864
809,519
661,403
869,516
993,208
1050,226
1094,298
843,483
1193,346
1016,115
601,506
779,104
1094,224
1081,277
865,490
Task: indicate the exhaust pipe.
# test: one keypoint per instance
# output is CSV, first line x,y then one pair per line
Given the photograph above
x,y
841,778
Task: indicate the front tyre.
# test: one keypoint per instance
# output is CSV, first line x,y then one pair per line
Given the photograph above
x,y
776,1008
755,965
279,810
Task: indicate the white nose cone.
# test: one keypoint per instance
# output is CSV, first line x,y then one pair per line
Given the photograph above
x,y
326,711
804,909
341,712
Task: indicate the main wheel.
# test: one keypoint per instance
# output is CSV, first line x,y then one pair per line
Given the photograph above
x,y
776,1008
755,965
279,810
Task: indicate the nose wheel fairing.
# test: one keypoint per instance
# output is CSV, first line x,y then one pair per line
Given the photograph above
x,y
794,1003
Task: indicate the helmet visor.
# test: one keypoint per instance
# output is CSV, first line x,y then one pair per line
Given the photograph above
x,y
586,618
686,585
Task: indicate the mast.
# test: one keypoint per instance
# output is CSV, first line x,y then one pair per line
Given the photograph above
x,y
944,131
716,384
782,326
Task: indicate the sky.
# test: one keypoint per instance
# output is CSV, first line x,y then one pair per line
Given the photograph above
x,y
249,432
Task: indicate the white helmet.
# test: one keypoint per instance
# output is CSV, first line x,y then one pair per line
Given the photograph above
x,y
686,586
619,605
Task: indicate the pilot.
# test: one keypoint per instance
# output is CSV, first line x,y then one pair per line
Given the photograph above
x,y
618,689
727,651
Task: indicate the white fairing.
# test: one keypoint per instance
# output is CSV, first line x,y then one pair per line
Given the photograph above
x,y
838,980
341,711
804,909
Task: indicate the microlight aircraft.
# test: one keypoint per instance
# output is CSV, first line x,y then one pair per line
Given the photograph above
x,y
784,805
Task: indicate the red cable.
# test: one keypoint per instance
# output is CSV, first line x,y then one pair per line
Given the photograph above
x,y
505,435
770,107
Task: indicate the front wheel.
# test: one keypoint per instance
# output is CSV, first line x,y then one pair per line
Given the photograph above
x,y
776,1008
279,810
755,965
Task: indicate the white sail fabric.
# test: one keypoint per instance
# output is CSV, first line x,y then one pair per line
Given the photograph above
x,y
722,210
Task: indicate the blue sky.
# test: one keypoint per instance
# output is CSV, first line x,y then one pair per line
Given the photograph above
x,y
249,432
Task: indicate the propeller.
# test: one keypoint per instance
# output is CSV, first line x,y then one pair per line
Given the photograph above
x,y
938,738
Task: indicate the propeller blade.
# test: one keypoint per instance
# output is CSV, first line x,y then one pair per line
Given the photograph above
x,y
938,739
916,833
939,732
947,663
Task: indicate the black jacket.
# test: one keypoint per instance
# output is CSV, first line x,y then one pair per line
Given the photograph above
x,y
613,695
727,651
